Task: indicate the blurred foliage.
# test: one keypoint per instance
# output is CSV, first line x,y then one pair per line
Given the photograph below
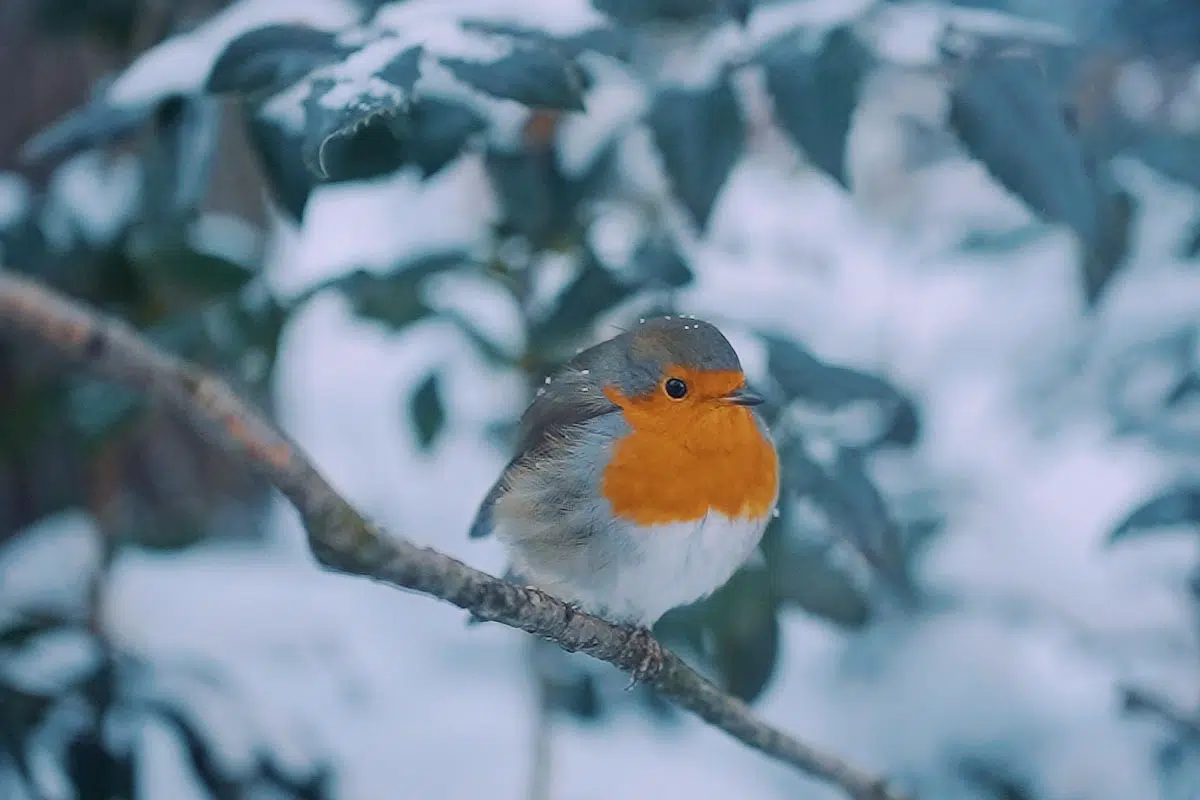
x,y
123,227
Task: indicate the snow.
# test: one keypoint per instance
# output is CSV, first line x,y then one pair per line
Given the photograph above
x,y
1035,624
181,64
90,199
46,568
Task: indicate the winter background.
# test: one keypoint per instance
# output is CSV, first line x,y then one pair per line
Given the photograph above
x,y
970,290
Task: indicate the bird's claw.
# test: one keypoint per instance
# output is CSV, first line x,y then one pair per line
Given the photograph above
x,y
649,654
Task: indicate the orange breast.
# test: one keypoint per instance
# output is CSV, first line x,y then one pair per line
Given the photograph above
x,y
682,460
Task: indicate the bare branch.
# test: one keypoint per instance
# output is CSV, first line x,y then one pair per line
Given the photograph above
x,y
343,540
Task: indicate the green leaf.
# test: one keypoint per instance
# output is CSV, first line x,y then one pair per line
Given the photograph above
x,y
659,262
394,298
743,633
1175,507
184,268
490,351
281,159
594,291
1006,115
361,133
806,574
531,73
700,134
427,411
1105,255
271,58
815,96
100,411
801,375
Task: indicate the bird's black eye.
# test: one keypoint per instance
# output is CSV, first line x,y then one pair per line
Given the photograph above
x,y
675,388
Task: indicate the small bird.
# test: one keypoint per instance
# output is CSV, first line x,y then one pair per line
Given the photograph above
x,y
643,478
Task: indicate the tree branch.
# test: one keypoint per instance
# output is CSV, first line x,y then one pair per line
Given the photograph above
x,y
342,539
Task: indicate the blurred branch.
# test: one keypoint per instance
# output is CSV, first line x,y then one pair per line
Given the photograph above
x,y
342,539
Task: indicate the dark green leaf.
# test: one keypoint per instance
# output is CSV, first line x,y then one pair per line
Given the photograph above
x,y
489,350
94,125
640,12
272,58
743,632
100,411
1006,115
96,772
807,575
20,631
439,131
843,490
394,298
801,375
179,165
1191,241
280,156
607,41
660,263
994,781
815,96
427,410
532,73
700,134
594,291
1175,507
363,134
1108,252
203,273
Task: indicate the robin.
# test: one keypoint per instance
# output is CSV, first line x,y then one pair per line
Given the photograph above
x,y
643,477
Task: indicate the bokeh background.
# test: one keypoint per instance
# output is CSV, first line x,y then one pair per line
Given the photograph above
x,y
957,245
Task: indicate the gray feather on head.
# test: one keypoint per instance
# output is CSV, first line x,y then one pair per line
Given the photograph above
x,y
635,361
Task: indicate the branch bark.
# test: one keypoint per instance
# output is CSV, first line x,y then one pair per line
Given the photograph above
x,y
343,540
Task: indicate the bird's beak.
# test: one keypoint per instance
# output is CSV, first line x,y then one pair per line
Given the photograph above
x,y
743,397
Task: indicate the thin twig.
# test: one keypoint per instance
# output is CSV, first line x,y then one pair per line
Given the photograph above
x,y
342,539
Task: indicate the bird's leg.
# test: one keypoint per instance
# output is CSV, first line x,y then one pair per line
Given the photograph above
x,y
647,651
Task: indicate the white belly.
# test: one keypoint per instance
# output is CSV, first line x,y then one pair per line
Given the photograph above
x,y
672,565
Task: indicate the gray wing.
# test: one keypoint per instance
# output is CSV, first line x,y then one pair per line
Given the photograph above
x,y
572,397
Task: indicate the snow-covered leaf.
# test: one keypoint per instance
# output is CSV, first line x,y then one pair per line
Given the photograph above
x,y
700,134
272,58
534,71
815,95
1005,113
348,107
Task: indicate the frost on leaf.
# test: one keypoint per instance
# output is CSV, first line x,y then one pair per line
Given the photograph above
x,y
373,99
